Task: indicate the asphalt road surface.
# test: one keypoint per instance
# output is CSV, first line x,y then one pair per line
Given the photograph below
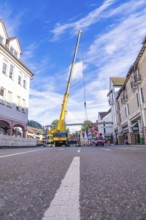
x,y
73,183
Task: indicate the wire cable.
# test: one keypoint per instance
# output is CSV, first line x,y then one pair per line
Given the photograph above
x,y
84,90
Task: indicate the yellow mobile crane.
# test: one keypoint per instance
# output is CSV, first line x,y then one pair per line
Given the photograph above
x,y
59,136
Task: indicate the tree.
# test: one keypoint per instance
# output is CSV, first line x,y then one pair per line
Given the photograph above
x,y
34,124
54,125
86,125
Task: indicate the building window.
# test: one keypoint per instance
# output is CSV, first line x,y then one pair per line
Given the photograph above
x,y
118,105
125,111
13,51
137,99
18,103
23,105
2,92
24,83
119,118
19,80
9,98
128,109
1,39
4,70
142,97
11,72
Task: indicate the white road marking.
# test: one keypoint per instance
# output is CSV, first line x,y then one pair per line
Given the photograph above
x,y
79,150
61,149
24,152
65,205
105,149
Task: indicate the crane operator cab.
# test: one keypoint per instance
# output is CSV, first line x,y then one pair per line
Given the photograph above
x,y
60,138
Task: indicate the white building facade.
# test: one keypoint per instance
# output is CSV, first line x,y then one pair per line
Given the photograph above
x,y
131,102
105,125
128,103
14,85
114,86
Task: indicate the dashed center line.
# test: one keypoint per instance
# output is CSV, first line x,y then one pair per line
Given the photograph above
x,y
105,149
24,152
65,204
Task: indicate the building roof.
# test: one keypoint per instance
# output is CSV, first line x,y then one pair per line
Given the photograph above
x,y
117,81
134,66
6,49
103,114
16,38
1,21
18,60
35,130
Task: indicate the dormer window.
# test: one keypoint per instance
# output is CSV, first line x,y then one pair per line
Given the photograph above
x,y
13,51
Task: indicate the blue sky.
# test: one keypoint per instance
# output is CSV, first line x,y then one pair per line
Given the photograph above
x,y
47,30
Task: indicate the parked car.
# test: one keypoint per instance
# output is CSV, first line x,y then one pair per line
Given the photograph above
x,y
99,141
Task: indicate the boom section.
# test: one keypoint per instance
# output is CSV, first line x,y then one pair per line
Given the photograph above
x,y
61,123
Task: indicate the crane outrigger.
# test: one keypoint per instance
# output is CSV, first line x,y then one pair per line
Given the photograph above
x,y
59,135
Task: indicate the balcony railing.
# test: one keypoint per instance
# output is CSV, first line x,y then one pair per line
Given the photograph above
x,y
137,78
133,85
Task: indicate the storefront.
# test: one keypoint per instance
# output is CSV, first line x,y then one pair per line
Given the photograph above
x,y
136,133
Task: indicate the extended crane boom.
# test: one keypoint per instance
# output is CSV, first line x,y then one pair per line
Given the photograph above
x,y
59,134
61,123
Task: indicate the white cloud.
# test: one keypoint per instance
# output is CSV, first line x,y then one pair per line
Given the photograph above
x,y
104,11
110,54
77,70
83,23
6,14
117,48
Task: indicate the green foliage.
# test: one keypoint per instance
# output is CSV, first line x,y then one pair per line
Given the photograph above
x,y
75,134
54,125
34,124
86,125
67,130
